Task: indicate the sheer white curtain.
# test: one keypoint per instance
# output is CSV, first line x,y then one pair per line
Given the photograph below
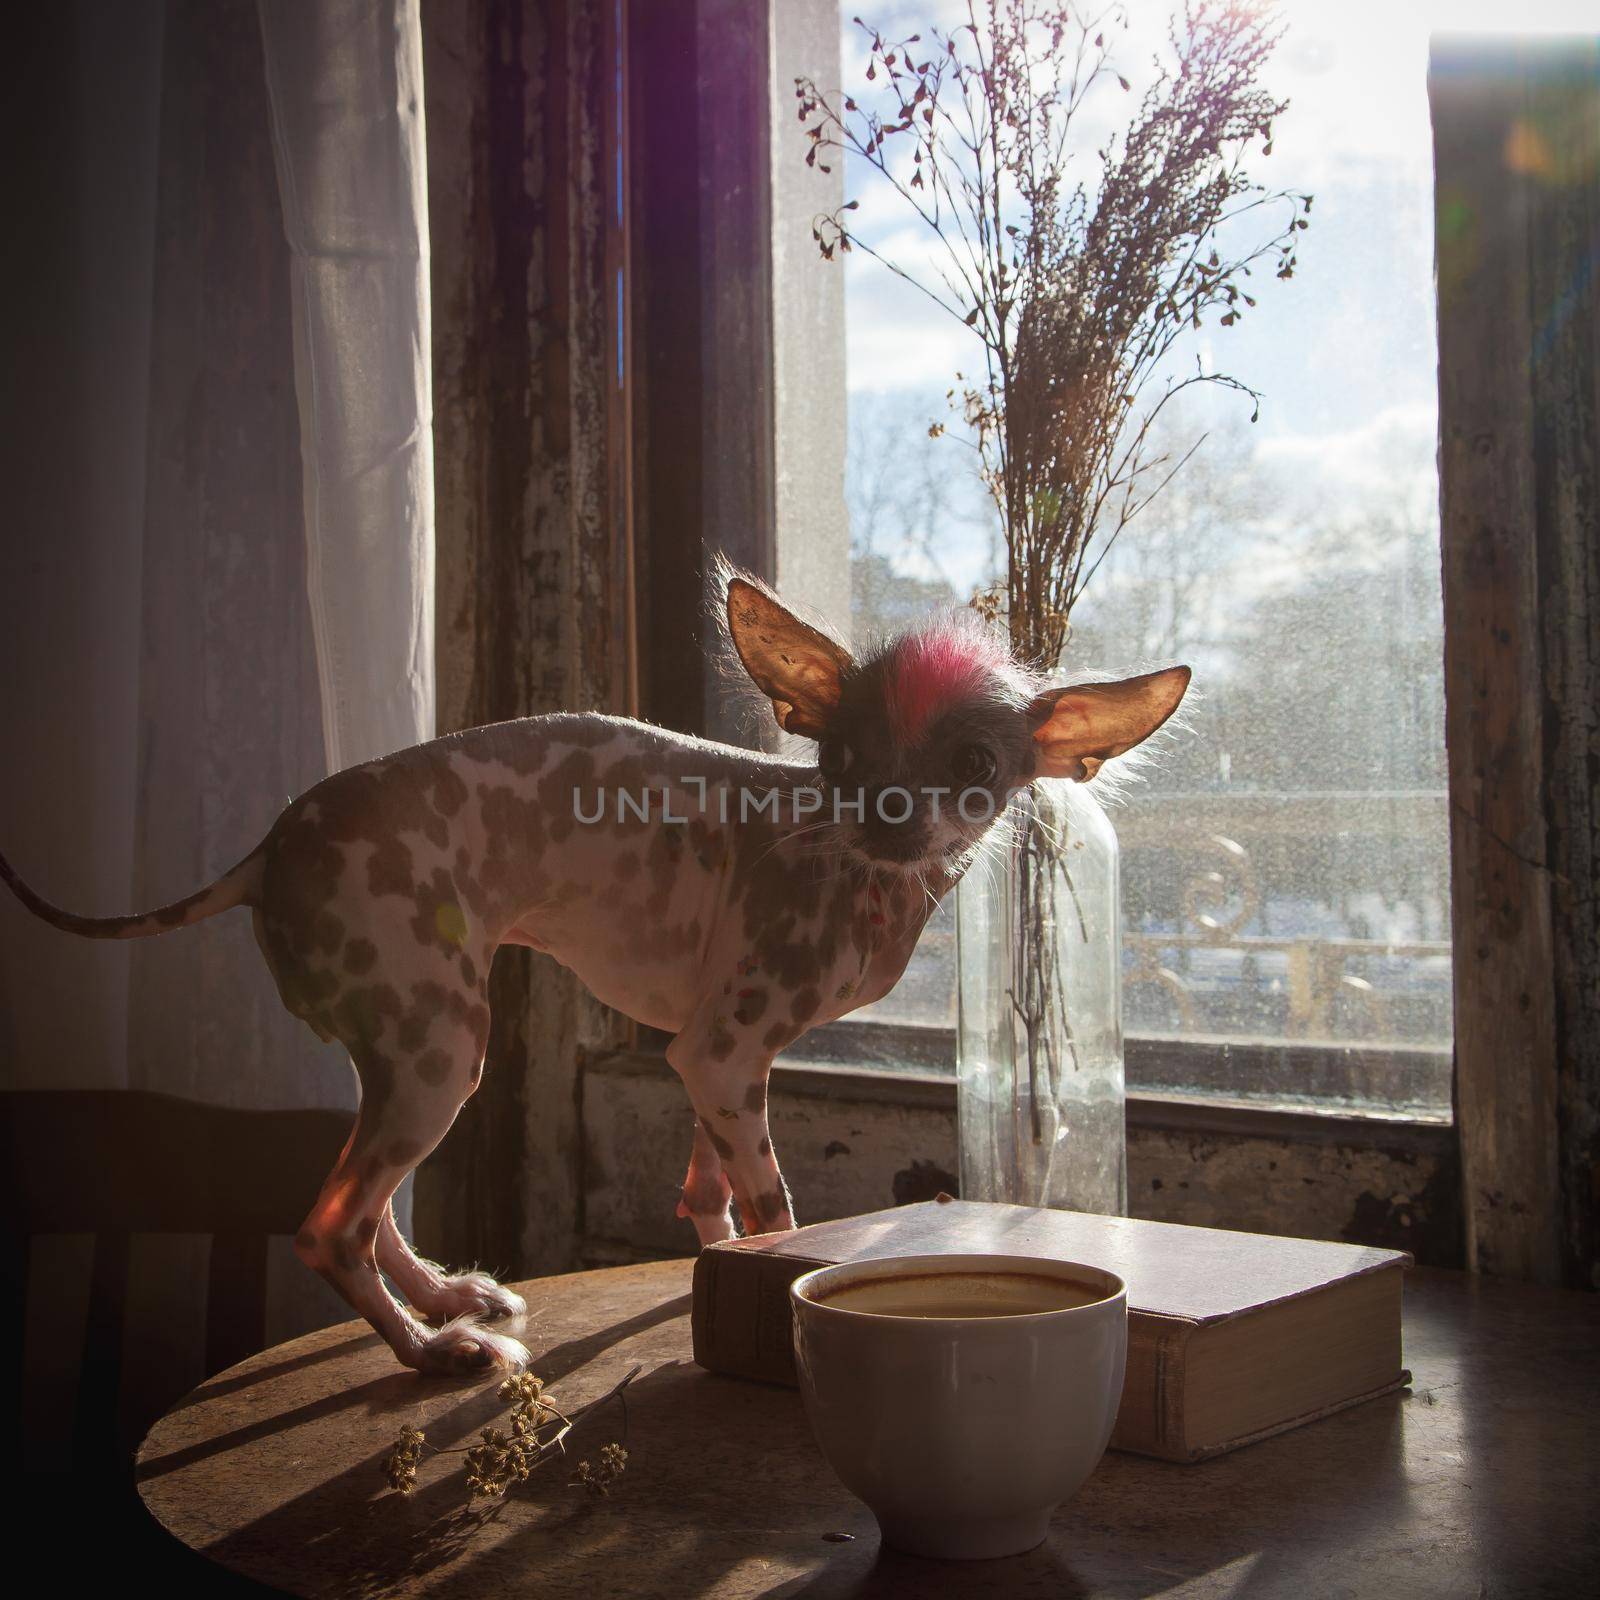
x,y
217,582
344,82
344,78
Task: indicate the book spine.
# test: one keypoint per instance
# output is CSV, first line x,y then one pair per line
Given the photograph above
x,y
740,1319
1150,1419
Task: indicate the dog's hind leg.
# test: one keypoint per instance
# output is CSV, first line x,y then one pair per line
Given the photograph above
x,y
409,1098
435,1291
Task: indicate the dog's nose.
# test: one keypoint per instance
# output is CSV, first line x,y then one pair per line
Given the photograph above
x,y
893,826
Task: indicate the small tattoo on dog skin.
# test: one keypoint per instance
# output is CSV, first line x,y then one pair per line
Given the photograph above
x,y
732,898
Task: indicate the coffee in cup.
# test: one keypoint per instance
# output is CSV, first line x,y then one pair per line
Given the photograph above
x,y
963,1397
962,1294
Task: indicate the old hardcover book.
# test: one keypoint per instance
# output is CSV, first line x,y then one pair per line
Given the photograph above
x,y
1231,1336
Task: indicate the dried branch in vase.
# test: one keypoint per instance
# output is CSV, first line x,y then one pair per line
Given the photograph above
x,y
1079,289
1080,274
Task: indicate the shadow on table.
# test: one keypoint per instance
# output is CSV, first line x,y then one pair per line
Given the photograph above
x,y
264,1372
756,1518
1528,1437
395,1393
726,1495
562,1360
332,1538
767,1520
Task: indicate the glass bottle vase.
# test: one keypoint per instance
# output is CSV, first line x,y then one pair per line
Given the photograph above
x,y
1040,1094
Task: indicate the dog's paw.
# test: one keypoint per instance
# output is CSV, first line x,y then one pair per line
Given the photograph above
x,y
469,1294
465,1346
476,1294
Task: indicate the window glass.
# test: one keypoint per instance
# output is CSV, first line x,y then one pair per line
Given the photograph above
x,y
1285,854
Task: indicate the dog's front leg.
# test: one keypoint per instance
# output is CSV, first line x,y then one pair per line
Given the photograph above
x,y
727,1087
436,1292
706,1191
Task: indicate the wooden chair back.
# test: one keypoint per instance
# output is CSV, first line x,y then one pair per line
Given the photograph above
x,y
115,1164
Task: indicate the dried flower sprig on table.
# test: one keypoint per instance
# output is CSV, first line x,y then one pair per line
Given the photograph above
x,y
597,1477
400,1468
536,1430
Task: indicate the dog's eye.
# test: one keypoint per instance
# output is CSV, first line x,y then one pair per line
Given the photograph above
x,y
974,766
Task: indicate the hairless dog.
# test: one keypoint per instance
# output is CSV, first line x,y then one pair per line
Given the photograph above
x,y
732,898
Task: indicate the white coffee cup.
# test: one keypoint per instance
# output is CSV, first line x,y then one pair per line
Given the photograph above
x,y
962,1432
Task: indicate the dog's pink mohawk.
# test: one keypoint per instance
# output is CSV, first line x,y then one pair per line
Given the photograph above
x,y
937,666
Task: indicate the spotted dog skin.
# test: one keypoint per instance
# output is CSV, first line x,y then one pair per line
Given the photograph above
x,y
380,896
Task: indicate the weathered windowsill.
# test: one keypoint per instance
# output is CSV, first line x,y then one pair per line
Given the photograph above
x,y
857,1139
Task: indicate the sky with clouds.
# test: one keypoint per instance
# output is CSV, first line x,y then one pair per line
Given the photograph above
x,y
1344,354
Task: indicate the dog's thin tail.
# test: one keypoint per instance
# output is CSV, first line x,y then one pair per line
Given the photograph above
x,y
236,887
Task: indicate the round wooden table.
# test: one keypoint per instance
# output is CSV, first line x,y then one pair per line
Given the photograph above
x,y
1483,1480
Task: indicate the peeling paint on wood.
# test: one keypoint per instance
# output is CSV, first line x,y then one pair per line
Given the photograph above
x,y
922,1180
1566,419
1520,496
528,590
1363,1195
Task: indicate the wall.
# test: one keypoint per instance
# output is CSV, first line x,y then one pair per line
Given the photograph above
x,y
851,1143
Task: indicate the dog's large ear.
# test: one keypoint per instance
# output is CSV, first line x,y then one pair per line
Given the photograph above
x,y
1075,730
794,665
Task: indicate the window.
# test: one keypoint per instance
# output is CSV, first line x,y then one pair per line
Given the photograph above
x,y
1285,859
1373,1155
